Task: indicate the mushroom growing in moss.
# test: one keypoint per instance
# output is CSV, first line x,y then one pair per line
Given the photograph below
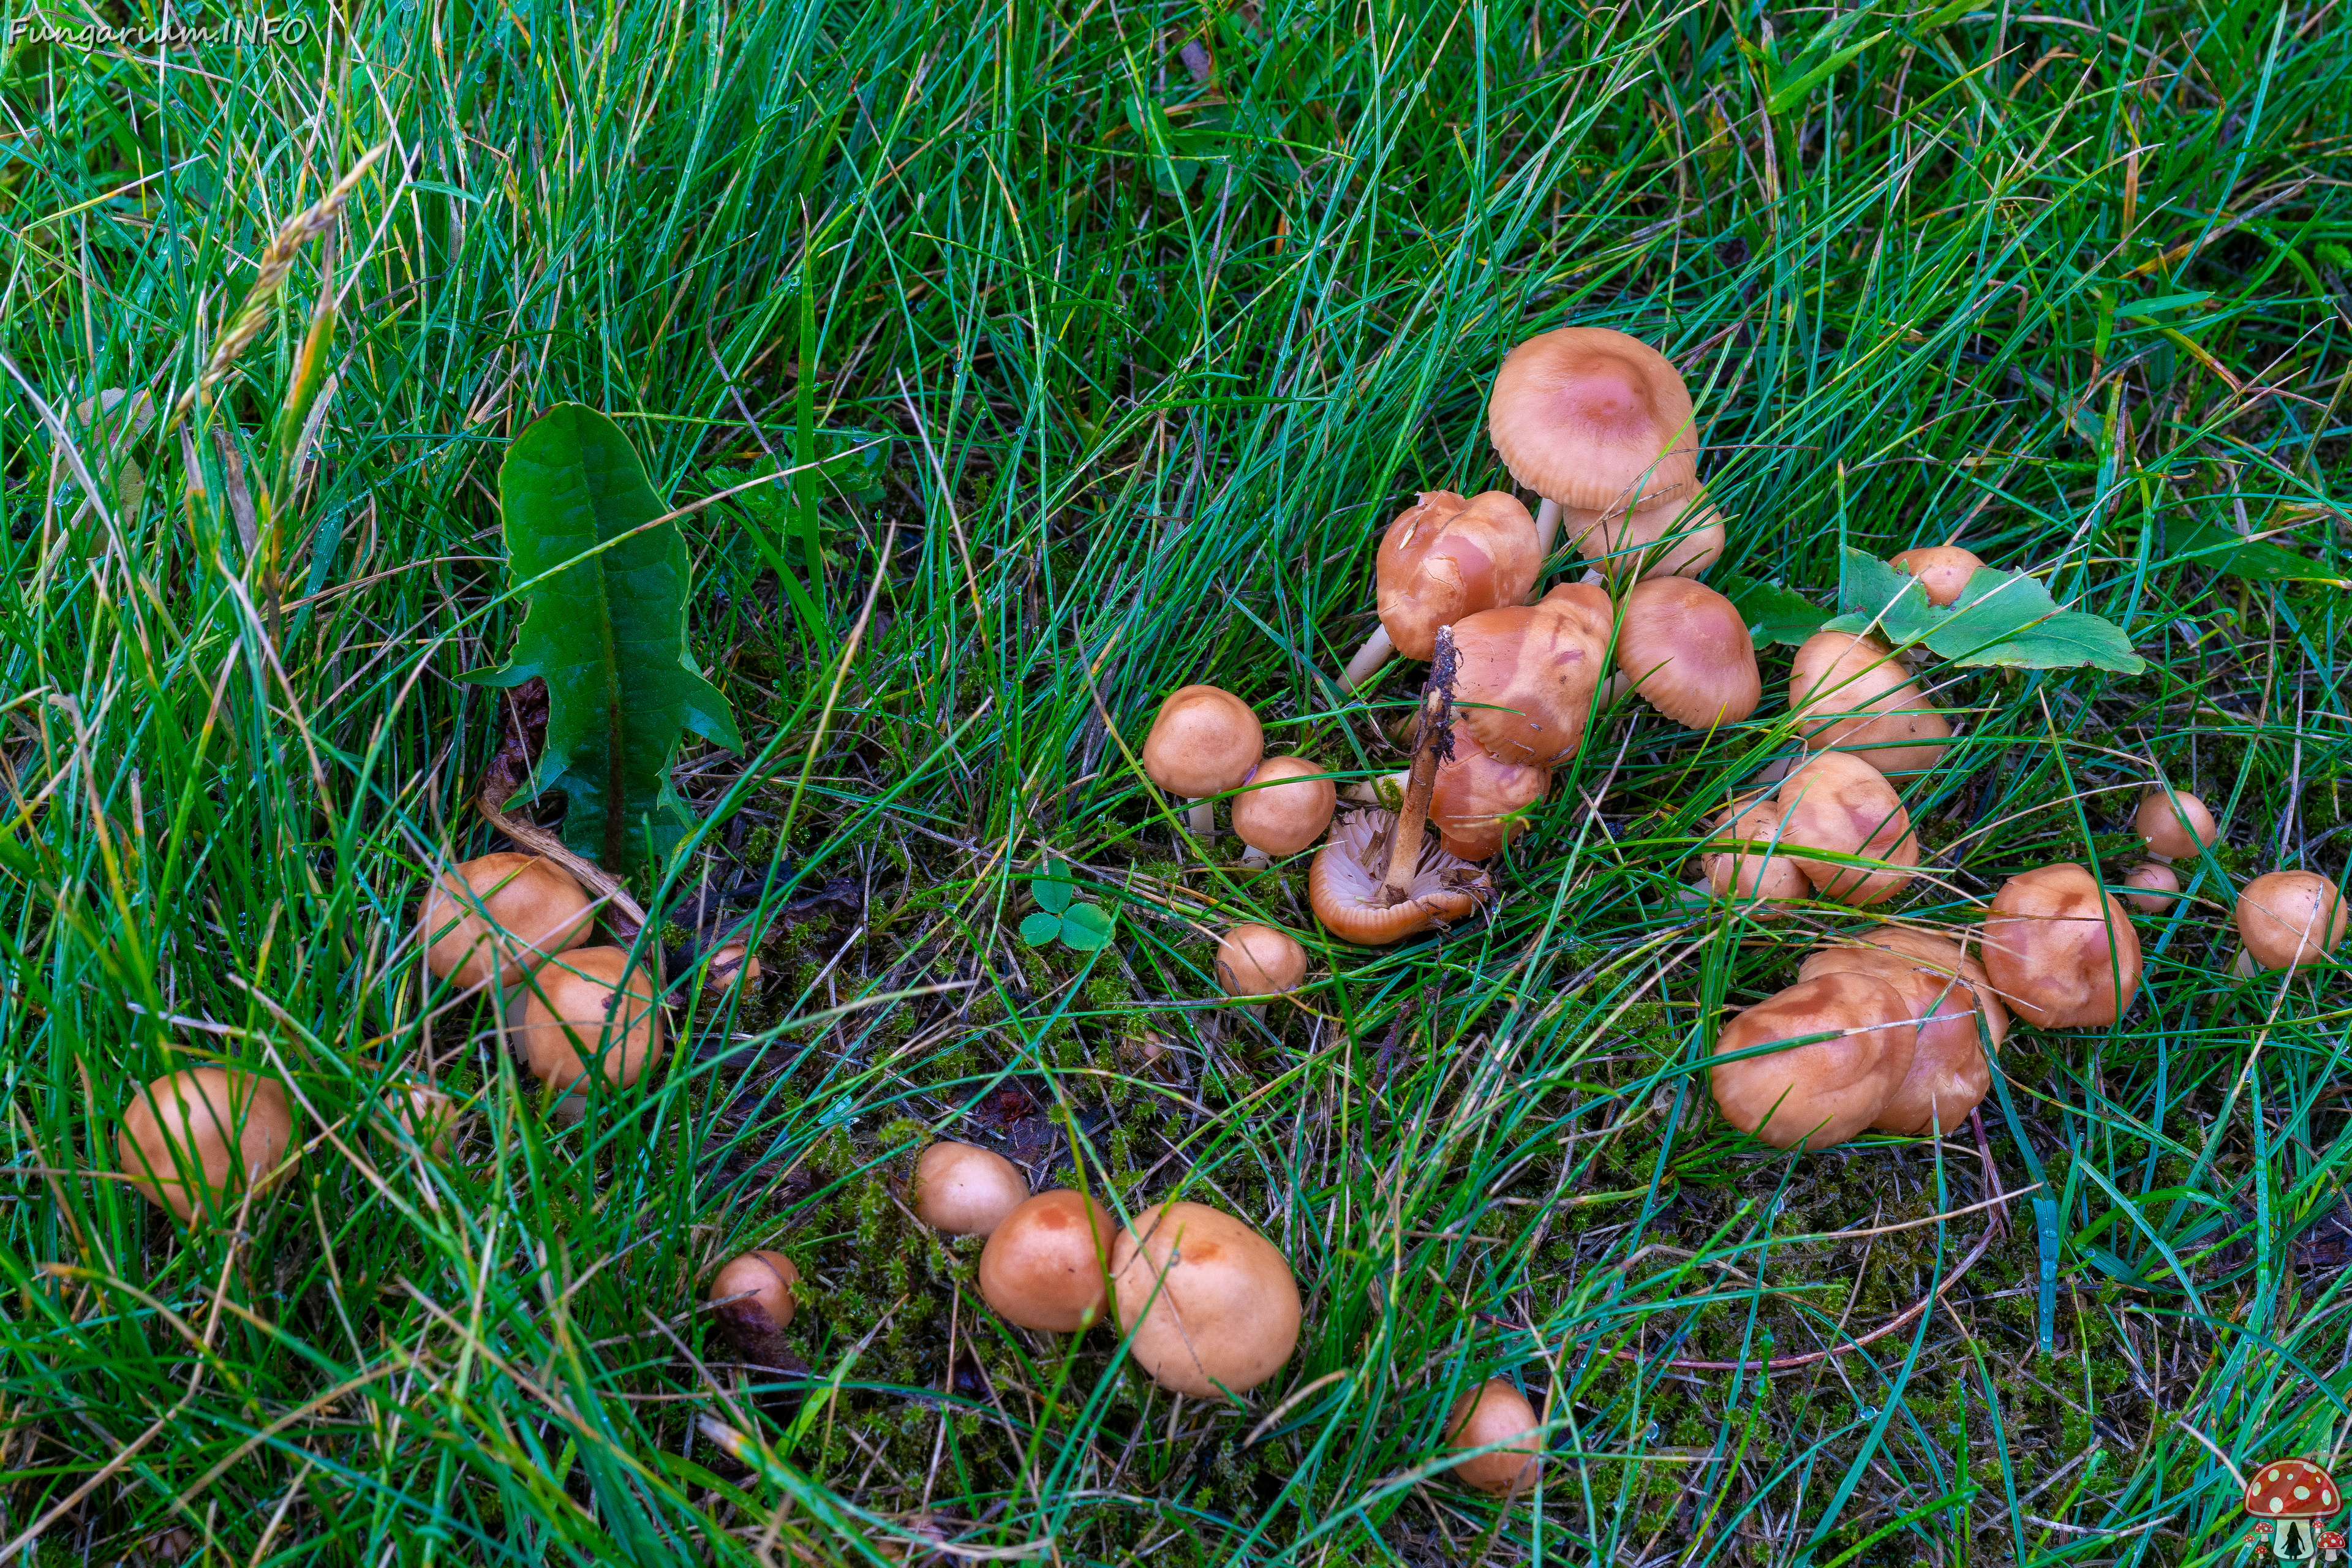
x,y
1680,538
203,1137
2290,918
1445,557
1476,802
1688,654
1496,1412
503,914
1746,863
1284,806
965,1190
1257,962
591,1016
1525,676
1203,743
1855,1049
1948,1074
2060,950
1208,1304
2154,884
1047,1266
2174,825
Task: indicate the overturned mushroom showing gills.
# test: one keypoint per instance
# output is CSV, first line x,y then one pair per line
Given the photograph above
x,y
504,914
1445,557
1255,962
2060,949
1047,1267
1849,693
1943,570
2154,886
1476,801
1588,418
2175,826
1827,1089
1284,806
1688,654
1838,804
1204,742
965,1190
1525,676
1680,538
588,1017
1208,1303
203,1137
2291,919
1496,1412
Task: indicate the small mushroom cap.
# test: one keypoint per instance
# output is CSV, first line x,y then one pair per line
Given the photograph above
x,y
2293,1488
1047,1266
1476,801
2158,884
1688,653
203,1136
1525,674
1849,694
1680,538
2046,945
2289,919
1205,1300
1824,1092
965,1190
535,910
580,1010
1746,871
1349,898
1286,807
735,964
1257,962
1948,1075
768,1277
1496,1412
425,1114
2174,828
1943,570
1590,417
1204,742
1444,558
1838,803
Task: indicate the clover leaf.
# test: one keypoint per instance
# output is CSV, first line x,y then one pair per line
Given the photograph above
x,y
1060,916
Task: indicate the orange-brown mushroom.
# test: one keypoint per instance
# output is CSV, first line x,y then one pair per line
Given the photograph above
x,y
965,1190
1348,891
2060,949
1527,673
1476,802
1688,654
1443,558
753,1295
1589,417
2290,918
1207,1303
1826,1091
1946,955
1849,693
201,1137
2155,885
424,1115
502,913
1680,538
589,1016
1948,1074
1284,806
1495,1412
1203,743
1838,803
1048,1266
1750,868
1943,570
2174,825
1255,962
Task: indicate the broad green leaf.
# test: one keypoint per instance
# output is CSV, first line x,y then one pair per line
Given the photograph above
x,y
2209,544
1873,596
1086,927
2004,618
1773,614
1040,928
1053,893
606,627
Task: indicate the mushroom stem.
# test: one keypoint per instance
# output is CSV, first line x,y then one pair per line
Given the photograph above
x,y
1547,528
2245,968
1377,652
1256,859
1200,816
1615,686
1429,745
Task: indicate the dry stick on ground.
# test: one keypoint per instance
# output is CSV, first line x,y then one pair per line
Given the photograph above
x,y
1431,743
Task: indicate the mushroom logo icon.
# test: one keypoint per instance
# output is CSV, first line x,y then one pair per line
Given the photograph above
x,y
2288,1500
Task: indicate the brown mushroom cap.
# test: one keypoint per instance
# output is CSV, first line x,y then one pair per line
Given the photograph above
x,y
1590,417
1824,1092
2174,828
1346,894
1496,1412
2046,947
1204,742
1838,803
1680,538
1688,653
2289,919
2158,884
768,1277
1205,1300
1444,558
1047,1266
1746,871
1286,806
1477,799
204,1135
1943,570
1945,955
1257,962
535,910
1525,674
1948,1075
965,1190
425,1114
1849,693
578,1010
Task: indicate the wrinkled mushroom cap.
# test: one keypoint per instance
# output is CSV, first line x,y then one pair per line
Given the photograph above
x,y
1284,806
1496,1412
1590,417
1525,675
1943,570
1946,955
578,1011
1948,1074
2174,828
1680,538
1849,693
1047,1266
1688,653
1445,557
1206,1301
1257,962
2157,886
965,1190
1347,895
1204,742
201,1136
768,1277
1824,1092
535,910
2046,945
2289,919
1838,803
1746,871
1476,799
